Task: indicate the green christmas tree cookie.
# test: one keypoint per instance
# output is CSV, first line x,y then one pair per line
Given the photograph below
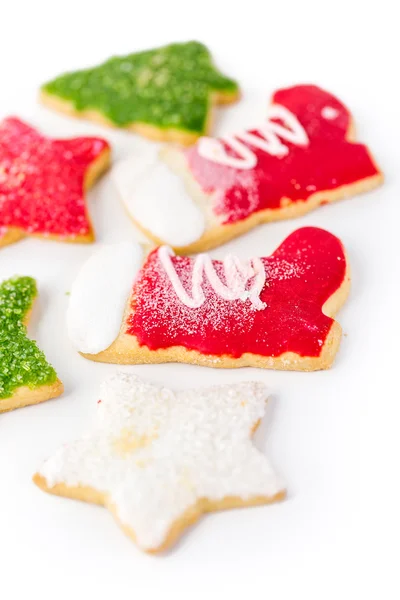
x,y
25,375
164,94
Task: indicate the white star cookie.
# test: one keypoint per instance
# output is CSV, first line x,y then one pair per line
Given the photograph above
x,y
158,459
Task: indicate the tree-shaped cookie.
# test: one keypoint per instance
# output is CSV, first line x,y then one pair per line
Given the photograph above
x,y
25,375
305,154
273,312
43,183
158,459
164,94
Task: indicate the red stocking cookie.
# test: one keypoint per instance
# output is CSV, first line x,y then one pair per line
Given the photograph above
x,y
302,156
273,312
43,183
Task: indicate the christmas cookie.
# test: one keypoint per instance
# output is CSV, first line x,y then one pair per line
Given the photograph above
x,y
43,183
25,375
164,94
159,459
127,306
304,155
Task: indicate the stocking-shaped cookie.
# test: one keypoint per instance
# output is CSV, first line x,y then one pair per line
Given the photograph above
x,y
302,156
43,183
273,312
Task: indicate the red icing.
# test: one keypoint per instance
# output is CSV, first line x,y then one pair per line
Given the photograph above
x,y
328,162
41,180
301,274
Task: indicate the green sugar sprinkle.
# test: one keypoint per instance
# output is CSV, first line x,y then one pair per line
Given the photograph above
x,y
168,87
21,361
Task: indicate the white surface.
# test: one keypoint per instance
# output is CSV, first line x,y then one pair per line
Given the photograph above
x,y
333,436
108,274
153,195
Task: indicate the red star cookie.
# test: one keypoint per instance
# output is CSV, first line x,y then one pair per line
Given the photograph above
x,y
302,156
43,183
272,312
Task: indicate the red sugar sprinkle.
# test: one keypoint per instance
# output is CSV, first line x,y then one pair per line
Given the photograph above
x,y
301,275
41,180
329,161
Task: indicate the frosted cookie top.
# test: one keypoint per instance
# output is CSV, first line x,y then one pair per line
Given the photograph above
x,y
265,306
154,454
305,147
22,363
171,87
43,181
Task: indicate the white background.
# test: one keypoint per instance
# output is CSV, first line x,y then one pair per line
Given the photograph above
x,y
333,436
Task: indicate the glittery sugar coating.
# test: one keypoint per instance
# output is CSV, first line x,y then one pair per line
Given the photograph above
x,y
301,275
22,363
169,87
42,180
154,454
332,160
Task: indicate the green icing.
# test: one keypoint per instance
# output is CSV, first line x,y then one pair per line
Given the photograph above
x,y
21,361
168,87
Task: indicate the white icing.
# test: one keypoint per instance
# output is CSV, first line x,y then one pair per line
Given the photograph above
x,y
157,200
329,113
237,275
99,295
267,140
154,452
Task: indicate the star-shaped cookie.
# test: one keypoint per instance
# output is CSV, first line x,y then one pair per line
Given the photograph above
x,y
43,183
25,375
165,94
159,459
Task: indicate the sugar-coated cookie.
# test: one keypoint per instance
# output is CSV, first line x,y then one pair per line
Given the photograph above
x,y
304,155
43,183
159,459
164,94
25,375
127,306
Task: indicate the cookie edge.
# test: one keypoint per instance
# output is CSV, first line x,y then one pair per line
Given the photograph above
x,y
151,132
